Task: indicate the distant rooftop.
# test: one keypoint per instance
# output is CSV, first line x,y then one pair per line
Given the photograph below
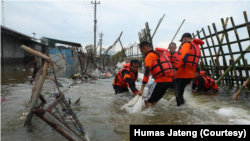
x,y
15,33
52,42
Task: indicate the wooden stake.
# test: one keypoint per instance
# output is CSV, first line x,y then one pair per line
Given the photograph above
x,y
241,88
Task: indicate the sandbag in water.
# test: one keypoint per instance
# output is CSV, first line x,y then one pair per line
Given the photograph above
x,y
134,105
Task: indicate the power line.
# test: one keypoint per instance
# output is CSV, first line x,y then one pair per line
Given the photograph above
x,y
100,17
86,8
95,21
3,12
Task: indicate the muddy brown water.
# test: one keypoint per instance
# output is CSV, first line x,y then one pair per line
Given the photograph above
x,y
99,109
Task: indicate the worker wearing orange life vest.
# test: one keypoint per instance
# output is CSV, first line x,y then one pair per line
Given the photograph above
x,y
157,63
126,78
185,64
204,82
172,54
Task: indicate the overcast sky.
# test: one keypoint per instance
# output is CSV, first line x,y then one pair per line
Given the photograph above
x,y
73,20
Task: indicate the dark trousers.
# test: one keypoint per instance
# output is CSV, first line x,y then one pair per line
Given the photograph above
x,y
119,89
180,84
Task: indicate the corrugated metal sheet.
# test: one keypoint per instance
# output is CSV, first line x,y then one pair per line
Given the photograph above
x,y
70,56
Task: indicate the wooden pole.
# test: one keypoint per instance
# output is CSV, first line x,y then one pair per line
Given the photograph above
x,y
204,55
230,51
230,67
37,92
89,75
222,52
178,30
239,44
217,57
241,88
36,53
58,125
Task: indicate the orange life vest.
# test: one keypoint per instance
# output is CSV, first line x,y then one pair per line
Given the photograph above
x,y
172,57
121,80
126,65
162,66
192,58
209,82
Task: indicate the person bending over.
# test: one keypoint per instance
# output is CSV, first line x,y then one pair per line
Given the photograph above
x,y
126,78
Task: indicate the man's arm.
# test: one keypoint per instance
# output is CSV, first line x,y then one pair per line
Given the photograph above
x,y
127,78
148,66
201,84
194,85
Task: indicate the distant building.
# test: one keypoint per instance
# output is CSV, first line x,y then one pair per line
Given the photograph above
x,y
11,41
69,65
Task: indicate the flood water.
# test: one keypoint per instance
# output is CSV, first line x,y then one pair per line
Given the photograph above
x,y
100,112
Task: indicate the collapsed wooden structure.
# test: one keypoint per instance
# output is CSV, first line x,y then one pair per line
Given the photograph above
x,y
55,114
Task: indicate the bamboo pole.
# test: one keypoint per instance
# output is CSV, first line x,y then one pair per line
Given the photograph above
x,y
232,42
37,92
230,51
204,53
222,52
230,67
217,57
178,30
223,34
36,53
239,44
240,70
158,25
241,88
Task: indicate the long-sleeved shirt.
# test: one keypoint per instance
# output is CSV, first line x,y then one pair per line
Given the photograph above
x,y
200,85
184,72
126,76
149,59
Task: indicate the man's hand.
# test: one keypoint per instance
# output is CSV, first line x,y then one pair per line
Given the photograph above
x,y
174,72
140,92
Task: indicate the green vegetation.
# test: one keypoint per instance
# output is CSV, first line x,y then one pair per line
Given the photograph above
x,y
118,56
89,48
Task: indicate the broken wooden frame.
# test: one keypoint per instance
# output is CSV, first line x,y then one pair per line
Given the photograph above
x,y
231,76
48,115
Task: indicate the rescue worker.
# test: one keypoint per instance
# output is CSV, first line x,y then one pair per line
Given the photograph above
x,y
204,82
126,78
172,54
186,62
157,63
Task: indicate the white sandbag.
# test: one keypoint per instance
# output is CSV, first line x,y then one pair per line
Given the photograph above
x,y
119,65
150,80
134,105
116,71
96,73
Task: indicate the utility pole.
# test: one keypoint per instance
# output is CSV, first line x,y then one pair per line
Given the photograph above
x,y
101,44
34,34
95,21
3,12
